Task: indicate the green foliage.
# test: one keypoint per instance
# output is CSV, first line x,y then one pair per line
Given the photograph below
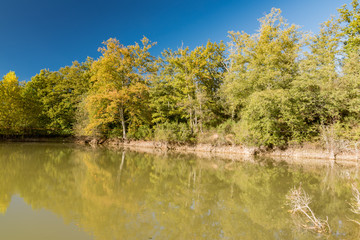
x,y
18,107
350,20
187,86
82,119
143,132
266,60
350,85
223,134
173,132
226,127
264,124
58,94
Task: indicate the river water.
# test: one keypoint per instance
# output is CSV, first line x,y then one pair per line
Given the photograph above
x,y
64,191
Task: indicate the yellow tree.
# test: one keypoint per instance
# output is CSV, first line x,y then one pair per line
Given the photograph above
x,y
120,87
10,102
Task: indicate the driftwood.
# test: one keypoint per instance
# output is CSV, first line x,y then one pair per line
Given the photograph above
x,y
299,201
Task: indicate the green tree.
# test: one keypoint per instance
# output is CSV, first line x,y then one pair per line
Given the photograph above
x,y
187,86
350,20
265,124
59,94
350,93
262,61
316,90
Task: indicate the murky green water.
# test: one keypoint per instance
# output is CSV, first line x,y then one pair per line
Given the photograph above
x,y
61,191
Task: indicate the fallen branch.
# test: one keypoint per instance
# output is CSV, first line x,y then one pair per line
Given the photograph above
x,y
299,201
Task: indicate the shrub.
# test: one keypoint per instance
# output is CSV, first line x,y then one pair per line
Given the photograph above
x,y
173,132
262,122
226,127
143,132
114,133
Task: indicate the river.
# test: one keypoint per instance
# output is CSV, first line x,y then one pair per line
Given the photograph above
x,y
66,191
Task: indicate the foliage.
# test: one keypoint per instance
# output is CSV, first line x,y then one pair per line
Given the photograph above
x,y
143,132
173,132
349,18
265,124
120,87
187,86
11,104
266,60
59,94
223,134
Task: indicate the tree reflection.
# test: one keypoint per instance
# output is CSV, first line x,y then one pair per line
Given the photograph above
x,y
129,195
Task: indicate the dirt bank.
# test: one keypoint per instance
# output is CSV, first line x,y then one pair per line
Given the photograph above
x,y
294,153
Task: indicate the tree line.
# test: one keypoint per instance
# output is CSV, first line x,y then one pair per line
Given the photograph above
x,y
272,88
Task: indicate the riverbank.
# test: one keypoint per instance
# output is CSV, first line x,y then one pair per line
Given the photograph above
x,y
311,151
38,139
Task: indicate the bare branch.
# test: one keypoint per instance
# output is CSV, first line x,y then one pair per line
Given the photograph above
x,y
299,201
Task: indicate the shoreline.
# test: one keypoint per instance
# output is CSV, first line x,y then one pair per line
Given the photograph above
x,y
306,153
39,139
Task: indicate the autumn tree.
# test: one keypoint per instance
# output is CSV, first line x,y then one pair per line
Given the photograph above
x,y
119,94
11,104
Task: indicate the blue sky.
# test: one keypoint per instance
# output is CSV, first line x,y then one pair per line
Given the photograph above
x,y
38,34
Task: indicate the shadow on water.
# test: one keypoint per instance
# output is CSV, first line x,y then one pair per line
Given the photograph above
x,y
129,195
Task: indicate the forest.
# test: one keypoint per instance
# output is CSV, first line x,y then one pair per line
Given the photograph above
x,y
276,87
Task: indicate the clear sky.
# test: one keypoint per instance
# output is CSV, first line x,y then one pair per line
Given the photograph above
x,y
38,34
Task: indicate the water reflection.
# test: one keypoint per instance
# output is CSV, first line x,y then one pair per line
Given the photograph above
x,y
118,195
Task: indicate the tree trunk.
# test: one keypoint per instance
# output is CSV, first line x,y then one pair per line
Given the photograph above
x,y
201,115
123,121
190,114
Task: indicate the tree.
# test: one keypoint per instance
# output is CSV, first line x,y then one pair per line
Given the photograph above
x,y
350,19
350,93
187,86
59,93
263,120
120,87
315,88
263,61
11,104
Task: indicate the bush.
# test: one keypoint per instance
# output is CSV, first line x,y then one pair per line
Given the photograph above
x,y
115,133
262,122
226,127
143,132
173,132
221,135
